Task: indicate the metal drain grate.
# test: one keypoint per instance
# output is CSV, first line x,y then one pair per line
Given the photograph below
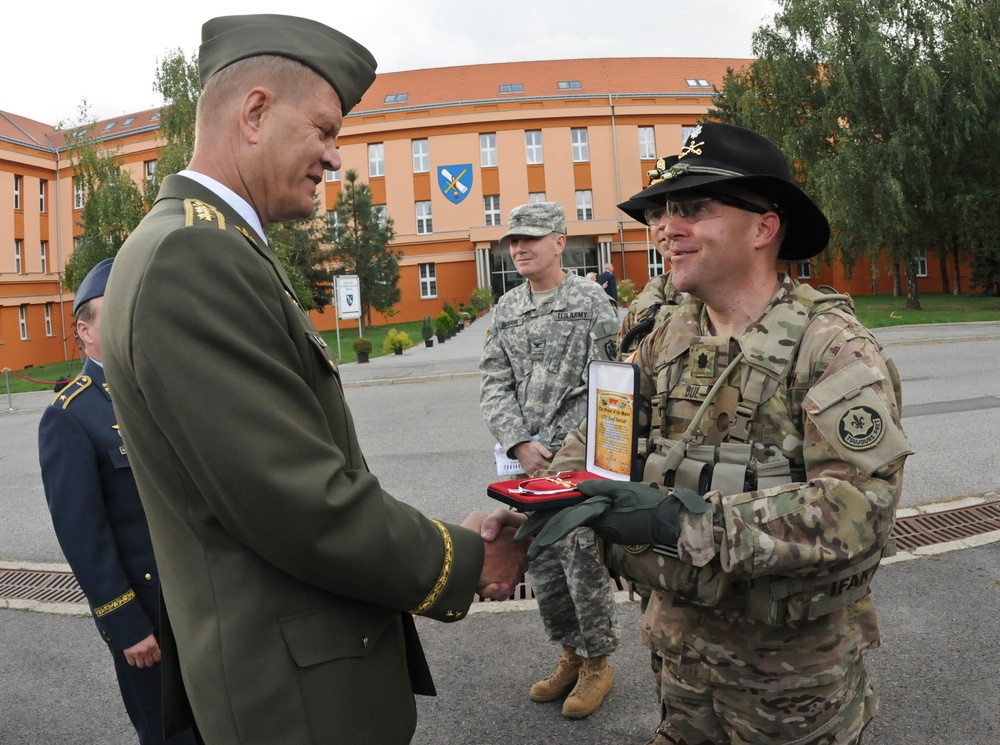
x,y
942,527
910,533
51,587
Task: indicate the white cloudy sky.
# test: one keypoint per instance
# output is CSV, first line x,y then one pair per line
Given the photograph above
x,y
54,57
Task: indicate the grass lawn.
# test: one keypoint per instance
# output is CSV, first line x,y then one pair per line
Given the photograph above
x,y
874,312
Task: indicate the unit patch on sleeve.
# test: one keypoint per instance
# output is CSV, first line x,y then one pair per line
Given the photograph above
x,y
861,428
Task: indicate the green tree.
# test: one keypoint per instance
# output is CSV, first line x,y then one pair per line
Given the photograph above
x,y
884,109
360,235
299,246
178,82
113,203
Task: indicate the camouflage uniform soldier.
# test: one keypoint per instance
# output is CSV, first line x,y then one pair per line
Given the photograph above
x,y
534,391
772,402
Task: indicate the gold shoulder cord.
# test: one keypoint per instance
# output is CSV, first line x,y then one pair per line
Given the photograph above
x,y
442,580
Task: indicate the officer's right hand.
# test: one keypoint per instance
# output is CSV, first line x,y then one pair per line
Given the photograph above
x,y
622,512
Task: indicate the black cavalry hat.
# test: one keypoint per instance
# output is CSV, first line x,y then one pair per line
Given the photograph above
x,y
718,153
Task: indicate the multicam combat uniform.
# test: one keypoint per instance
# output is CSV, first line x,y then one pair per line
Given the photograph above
x,y
534,367
648,309
766,615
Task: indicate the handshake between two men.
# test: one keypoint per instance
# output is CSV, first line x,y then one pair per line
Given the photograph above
x,y
620,512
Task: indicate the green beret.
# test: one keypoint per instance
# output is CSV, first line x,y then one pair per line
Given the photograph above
x,y
343,63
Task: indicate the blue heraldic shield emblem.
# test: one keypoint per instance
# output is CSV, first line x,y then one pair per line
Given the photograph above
x,y
455,181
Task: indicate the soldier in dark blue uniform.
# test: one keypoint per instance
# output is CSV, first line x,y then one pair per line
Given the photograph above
x,y
99,519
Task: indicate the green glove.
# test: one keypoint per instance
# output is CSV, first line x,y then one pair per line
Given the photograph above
x,y
621,512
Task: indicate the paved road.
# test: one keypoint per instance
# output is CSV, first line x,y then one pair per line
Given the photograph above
x,y
418,417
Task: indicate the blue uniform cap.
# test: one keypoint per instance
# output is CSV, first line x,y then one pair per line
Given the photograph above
x,y
93,284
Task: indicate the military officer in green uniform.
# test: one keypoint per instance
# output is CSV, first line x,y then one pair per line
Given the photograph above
x,y
289,575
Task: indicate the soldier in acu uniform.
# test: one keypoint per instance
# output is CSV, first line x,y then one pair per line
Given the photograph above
x,y
534,391
774,464
99,520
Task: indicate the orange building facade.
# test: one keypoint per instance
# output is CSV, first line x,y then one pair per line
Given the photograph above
x,y
447,153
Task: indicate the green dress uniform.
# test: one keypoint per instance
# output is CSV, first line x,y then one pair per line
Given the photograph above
x,y
288,574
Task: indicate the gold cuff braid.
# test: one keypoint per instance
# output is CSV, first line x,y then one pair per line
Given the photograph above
x,y
115,604
442,580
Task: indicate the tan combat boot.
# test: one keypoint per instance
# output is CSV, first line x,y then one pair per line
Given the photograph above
x,y
561,680
592,686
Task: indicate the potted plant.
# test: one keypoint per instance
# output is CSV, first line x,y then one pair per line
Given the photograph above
x,y
481,299
362,348
442,325
626,292
466,318
396,341
456,322
427,332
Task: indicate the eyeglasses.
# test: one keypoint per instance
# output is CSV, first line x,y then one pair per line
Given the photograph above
x,y
701,208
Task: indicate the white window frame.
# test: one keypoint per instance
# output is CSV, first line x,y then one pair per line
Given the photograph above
x,y
376,160
581,144
333,225
488,149
48,319
421,156
43,187
922,266
491,209
425,219
428,281
78,197
533,152
654,263
685,131
536,196
22,318
332,175
150,169
803,269
584,204
18,256
18,181
383,215
647,143
43,252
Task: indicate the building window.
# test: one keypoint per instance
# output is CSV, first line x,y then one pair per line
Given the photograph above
x,y
332,175
569,85
804,269
43,188
697,83
428,281
43,251
512,87
48,319
77,193
381,214
421,156
654,263
18,263
333,225
922,266
488,150
396,97
686,131
536,196
581,146
376,159
17,192
150,166
533,146
584,205
128,121
491,209
424,223
647,144
22,317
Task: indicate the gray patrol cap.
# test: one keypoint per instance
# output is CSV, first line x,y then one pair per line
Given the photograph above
x,y
93,284
341,61
535,220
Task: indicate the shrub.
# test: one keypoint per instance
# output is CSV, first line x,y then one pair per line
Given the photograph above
x,y
626,291
361,344
452,313
481,299
426,328
443,324
396,339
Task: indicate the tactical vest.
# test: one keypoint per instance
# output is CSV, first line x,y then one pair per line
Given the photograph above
x,y
723,413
